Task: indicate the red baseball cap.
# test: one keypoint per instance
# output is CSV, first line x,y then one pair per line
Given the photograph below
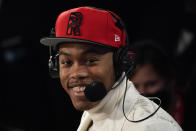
x,y
88,25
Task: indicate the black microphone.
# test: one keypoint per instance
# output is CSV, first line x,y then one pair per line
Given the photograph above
x,y
95,91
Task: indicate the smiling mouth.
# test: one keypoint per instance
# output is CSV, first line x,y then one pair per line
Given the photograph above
x,y
78,91
79,88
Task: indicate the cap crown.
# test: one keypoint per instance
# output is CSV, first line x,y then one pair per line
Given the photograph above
x,y
90,24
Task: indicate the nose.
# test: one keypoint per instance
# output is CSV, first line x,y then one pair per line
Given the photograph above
x,y
79,71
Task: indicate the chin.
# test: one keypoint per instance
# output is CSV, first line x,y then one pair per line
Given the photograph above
x,y
84,106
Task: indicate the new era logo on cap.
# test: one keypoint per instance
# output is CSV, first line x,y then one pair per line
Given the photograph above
x,y
87,24
117,38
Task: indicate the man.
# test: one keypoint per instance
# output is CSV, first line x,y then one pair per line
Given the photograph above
x,y
92,63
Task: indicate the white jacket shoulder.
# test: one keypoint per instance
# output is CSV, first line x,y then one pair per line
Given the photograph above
x,y
160,121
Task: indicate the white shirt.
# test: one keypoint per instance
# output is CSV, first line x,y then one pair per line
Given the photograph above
x,y
108,114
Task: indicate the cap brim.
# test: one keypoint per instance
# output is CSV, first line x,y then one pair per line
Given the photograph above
x,y
54,41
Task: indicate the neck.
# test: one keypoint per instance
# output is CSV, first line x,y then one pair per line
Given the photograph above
x,y
108,103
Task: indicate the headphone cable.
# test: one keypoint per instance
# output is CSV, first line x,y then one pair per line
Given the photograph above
x,y
123,77
151,98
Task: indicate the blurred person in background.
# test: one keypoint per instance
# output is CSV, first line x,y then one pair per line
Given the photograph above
x,y
154,76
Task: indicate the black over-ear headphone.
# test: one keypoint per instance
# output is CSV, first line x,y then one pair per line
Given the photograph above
x,y
53,63
121,59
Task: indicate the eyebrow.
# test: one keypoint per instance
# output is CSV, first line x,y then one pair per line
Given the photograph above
x,y
63,53
88,51
94,51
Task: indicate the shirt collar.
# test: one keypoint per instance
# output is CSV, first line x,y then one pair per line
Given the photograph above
x,y
108,103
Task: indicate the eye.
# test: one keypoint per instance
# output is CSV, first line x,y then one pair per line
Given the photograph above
x,y
66,62
91,61
150,84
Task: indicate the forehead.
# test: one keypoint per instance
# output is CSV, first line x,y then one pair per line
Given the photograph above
x,y
145,73
74,45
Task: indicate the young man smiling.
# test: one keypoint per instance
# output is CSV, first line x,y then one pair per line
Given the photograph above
x,y
81,64
92,62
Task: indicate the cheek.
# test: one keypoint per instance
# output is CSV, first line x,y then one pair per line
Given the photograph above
x,y
160,85
63,78
105,74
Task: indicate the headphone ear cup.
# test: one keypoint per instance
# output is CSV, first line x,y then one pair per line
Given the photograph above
x,y
128,64
122,62
53,65
117,62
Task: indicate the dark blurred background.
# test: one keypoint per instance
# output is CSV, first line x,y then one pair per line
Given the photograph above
x,y
31,101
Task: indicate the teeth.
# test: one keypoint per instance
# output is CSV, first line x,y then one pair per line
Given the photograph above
x,y
79,89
